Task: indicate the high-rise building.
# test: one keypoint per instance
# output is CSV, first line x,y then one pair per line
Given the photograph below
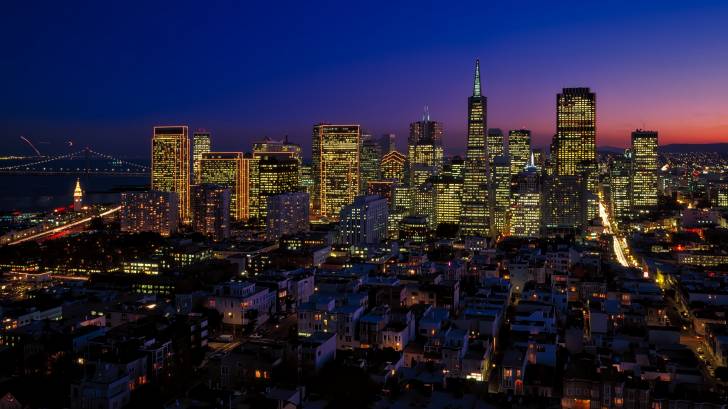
x,y
448,192
576,129
335,151
424,150
382,188
644,168
369,158
277,148
500,195
619,195
210,208
77,196
171,164
275,175
150,211
423,202
201,143
526,209
475,220
495,143
230,170
519,149
393,166
287,213
364,222
425,131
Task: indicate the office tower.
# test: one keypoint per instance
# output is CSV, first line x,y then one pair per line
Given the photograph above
x,y
287,213
448,192
369,158
500,195
210,209
475,221
576,128
423,202
150,211
306,180
526,208
402,201
415,229
644,170
519,149
171,164
425,161
382,188
572,185
620,189
201,143
77,196
275,175
364,222
335,151
425,131
424,150
387,143
393,166
230,170
495,143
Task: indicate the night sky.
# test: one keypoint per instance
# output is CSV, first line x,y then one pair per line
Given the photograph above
x,y
103,73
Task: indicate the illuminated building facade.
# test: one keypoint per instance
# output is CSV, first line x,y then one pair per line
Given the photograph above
x,y
201,143
475,221
287,214
77,196
423,202
364,222
275,175
500,195
335,151
171,164
393,166
495,143
644,171
210,208
424,150
382,188
150,211
526,208
369,157
519,149
448,193
230,170
620,188
576,129
415,229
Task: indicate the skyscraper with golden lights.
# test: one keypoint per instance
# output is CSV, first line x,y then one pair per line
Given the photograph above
x,y
171,164
230,170
475,220
393,166
576,129
201,143
335,157
519,149
644,168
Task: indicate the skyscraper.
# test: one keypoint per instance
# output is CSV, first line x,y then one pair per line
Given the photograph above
x,y
500,195
526,208
448,192
475,220
201,143
619,195
275,175
387,143
424,150
495,144
230,170
519,149
369,157
576,129
171,164
210,208
393,166
335,151
644,179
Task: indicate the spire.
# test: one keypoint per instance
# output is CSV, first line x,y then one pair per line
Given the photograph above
x,y
77,192
531,162
426,114
476,84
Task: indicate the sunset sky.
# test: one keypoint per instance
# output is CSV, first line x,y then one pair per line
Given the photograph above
x,y
103,73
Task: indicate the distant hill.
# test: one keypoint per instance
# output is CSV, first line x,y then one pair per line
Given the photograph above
x,y
609,149
721,148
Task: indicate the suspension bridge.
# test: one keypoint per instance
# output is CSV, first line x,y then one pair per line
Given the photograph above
x,y
83,162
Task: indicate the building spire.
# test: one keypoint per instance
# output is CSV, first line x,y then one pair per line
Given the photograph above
x,y
426,114
531,162
476,84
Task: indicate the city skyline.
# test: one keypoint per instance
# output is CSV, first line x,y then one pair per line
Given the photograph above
x,y
656,79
